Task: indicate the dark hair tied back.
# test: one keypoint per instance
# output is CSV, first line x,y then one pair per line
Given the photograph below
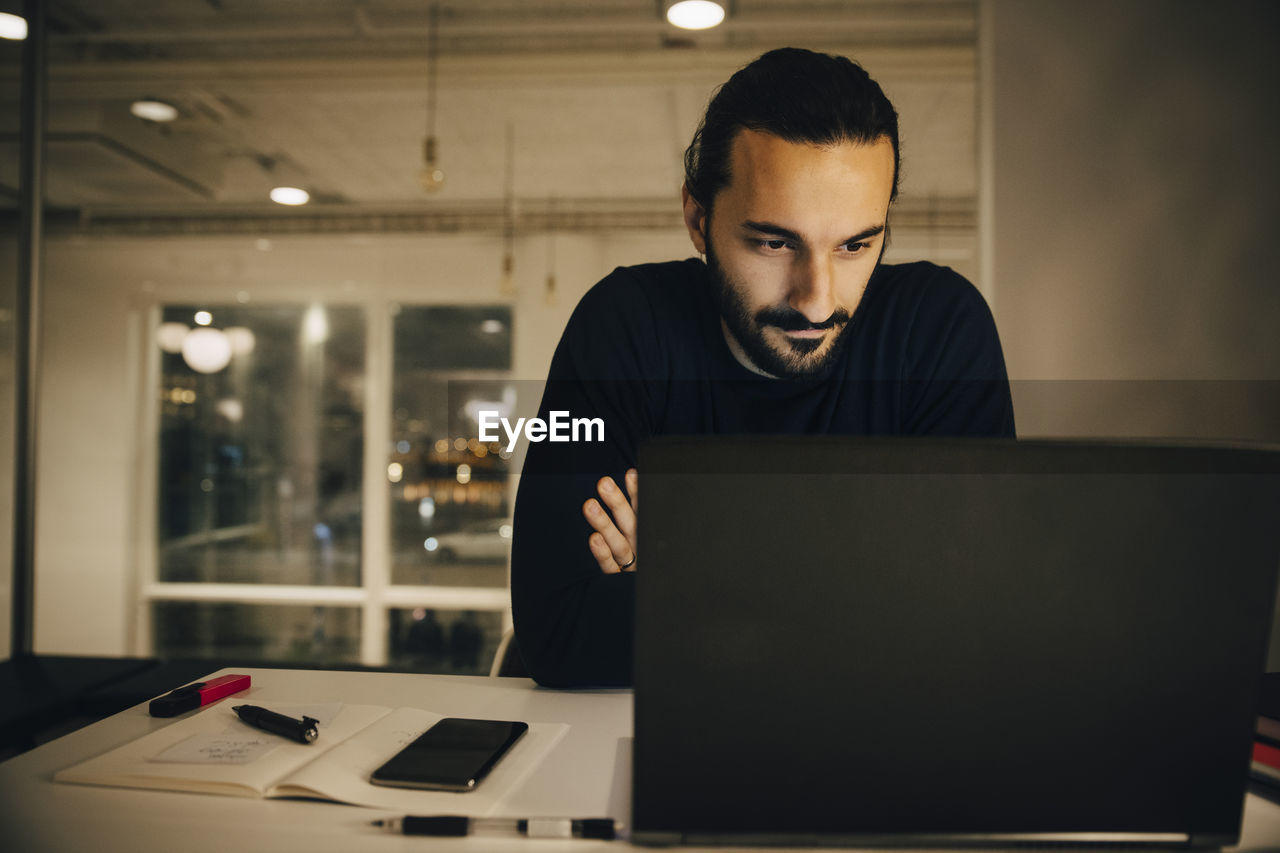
x,y
795,94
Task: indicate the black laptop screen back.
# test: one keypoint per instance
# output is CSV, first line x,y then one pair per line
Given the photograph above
x,y
882,637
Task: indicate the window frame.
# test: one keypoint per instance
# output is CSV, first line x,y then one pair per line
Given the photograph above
x,y
376,595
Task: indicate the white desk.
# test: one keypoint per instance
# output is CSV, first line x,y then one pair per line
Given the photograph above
x,y
587,775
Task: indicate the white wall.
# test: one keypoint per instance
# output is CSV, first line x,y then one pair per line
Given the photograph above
x,y
1135,200
1136,191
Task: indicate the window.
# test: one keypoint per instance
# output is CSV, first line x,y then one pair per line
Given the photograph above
x,y
265,545
450,493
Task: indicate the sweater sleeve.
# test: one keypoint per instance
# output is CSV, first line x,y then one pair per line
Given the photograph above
x,y
573,622
955,383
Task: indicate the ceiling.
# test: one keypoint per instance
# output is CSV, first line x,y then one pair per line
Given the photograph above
x,y
559,111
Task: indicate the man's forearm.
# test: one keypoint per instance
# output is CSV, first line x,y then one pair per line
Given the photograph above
x,y
578,635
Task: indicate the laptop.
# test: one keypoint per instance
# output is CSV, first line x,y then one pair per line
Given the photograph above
x,y
878,642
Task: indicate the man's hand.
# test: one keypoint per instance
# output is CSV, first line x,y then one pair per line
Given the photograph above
x,y
613,543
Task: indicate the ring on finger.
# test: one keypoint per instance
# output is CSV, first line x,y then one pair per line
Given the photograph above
x,y
628,564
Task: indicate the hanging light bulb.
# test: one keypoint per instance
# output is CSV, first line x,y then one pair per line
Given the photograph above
x,y
430,176
507,281
549,293
206,350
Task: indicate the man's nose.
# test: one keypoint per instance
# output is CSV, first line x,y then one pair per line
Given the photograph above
x,y
813,288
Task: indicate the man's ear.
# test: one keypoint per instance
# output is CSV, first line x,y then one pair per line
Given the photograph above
x,y
695,219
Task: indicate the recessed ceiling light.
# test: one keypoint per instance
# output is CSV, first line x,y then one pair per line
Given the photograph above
x,y
153,110
12,27
695,14
290,195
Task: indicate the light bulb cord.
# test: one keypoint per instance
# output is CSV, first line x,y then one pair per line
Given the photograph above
x,y
433,55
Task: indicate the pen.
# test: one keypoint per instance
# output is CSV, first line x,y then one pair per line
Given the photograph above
x,y
303,731
534,827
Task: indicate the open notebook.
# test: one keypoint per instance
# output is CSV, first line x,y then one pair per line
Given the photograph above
x,y
213,752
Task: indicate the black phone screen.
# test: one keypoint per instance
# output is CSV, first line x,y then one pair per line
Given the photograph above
x,y
453,755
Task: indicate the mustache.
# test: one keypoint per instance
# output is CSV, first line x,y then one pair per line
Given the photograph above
x,y
791,320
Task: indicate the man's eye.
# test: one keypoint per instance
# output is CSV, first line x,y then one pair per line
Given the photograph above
x,y
854,248
773,245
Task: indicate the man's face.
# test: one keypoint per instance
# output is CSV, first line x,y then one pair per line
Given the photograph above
x,y
791,244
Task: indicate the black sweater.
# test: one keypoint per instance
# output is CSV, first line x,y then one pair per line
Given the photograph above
x,y
644,351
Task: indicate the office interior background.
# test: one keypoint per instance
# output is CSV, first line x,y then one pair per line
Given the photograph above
x,y
256,435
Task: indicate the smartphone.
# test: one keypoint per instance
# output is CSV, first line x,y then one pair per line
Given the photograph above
x,y
453,755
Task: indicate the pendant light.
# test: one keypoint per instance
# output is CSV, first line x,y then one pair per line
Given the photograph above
x,y
431,176
507,281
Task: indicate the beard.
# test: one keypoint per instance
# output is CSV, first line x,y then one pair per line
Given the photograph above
x,y
806,358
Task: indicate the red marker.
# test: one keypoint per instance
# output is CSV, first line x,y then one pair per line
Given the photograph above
x,y
196,695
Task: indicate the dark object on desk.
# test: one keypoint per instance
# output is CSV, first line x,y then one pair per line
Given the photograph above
x,y
46,696
42,696
453,755
303,731
941,641
197,695
456,826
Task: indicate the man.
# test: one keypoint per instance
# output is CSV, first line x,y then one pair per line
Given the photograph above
x,y
792,325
